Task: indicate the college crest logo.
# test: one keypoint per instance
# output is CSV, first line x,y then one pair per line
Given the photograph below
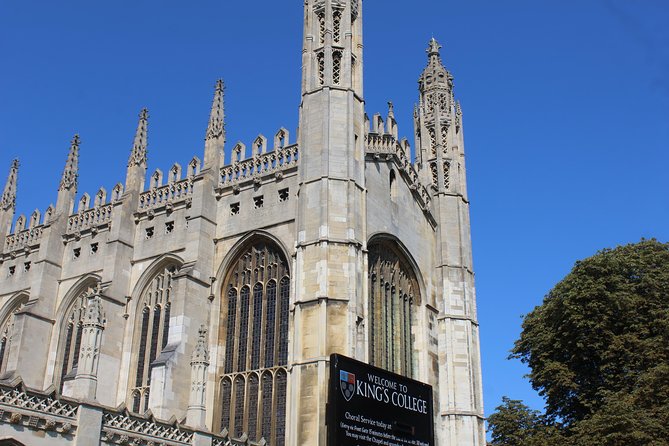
x,y
347,384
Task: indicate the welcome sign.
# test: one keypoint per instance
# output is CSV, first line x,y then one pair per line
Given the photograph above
x,y
368,406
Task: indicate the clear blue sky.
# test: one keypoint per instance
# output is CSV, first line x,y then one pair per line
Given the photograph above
x,y
566,114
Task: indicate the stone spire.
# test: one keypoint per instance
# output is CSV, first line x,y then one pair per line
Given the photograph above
x,y
93,324
71,172
139,152
134,179
196,414
215,137
8,200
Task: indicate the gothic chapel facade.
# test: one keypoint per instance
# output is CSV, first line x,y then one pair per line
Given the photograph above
x,y
201,307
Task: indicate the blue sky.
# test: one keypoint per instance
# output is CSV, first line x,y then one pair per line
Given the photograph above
x,y
566,114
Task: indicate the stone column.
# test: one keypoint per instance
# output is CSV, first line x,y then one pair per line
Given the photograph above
x,y
86,381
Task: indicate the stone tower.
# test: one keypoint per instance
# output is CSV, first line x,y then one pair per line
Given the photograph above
x,y
330,215
200,307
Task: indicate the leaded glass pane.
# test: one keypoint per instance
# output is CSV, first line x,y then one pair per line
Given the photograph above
x,y
239,406
270,324
257,325
243,328
281,382
226,400
256,320
230,335
253,407
391,283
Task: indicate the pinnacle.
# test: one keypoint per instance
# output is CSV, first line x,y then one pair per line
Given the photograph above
x,y
70,173
8,198
140,144
216,127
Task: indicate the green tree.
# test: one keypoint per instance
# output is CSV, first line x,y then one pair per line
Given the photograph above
x,y
598,348
515,424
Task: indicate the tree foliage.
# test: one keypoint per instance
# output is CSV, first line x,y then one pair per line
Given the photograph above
x,y
598,348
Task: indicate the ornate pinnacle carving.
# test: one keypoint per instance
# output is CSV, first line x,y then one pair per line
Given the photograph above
x,y
71,172
140,144
216,127
95,315
201,353
8,200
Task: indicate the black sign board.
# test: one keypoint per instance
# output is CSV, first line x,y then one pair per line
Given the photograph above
x,y
368,406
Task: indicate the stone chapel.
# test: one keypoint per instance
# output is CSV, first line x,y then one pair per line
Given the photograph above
x,y
199,306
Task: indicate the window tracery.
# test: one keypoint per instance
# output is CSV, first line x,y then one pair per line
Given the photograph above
x,y
254,322
321,26
6,329
336,24
433,142
336,67
393,295
153,322
321,67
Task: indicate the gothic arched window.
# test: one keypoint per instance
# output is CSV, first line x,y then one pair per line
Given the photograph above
x,y
153,325
393,296
6,329
254,330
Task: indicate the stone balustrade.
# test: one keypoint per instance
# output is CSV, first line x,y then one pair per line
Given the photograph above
x,y
260,165
171,193
89,218
26,238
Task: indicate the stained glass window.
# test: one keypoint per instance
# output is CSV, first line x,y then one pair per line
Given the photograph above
x,y
255,327
153,326
393,289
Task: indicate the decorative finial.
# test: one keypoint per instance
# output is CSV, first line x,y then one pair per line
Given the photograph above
x,y
216,127
95,315
71,172
201,353
391,109
140,144
8,200
433,48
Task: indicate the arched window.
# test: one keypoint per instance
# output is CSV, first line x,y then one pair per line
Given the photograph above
x,y
6,331
393,295
254,326
152,328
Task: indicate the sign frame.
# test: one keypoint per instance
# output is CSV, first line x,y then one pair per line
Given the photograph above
x,y
406,405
